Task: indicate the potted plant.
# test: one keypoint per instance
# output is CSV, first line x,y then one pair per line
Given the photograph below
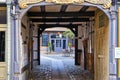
x,y
49,47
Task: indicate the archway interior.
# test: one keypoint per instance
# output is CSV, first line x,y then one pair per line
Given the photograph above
x,y
84,21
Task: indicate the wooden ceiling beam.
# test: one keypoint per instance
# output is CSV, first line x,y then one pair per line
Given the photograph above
x,y
42,8
63,8
60,20
60,14
58,25
84,8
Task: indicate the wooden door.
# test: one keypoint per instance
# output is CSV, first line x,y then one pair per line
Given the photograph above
x,y
2,53
101,60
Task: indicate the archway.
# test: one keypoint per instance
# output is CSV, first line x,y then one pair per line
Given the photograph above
x,y
101,31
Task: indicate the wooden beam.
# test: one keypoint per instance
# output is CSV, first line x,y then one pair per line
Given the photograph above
x,y
41,30
42,8
84,8
76,47
23,26
60,14
38,46
63,8
72,29
119,40
60,20
58,25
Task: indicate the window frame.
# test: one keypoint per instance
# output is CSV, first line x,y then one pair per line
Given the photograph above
x,y
45,42
3,28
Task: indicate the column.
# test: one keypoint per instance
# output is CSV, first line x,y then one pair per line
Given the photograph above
x,y
112,45
76,46
38,46
8,42
16,46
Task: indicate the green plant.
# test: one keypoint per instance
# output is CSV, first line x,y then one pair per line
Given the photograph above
x,y
69,45
50,46
70,35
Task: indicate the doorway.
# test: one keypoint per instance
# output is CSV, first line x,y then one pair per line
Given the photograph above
x,y
98,28
58,44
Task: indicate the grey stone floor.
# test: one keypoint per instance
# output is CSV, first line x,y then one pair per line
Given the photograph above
x,y
59,67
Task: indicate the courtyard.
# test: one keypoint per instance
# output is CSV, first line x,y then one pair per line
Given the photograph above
x,y
57,66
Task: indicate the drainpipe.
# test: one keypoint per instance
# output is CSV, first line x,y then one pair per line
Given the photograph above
x,y
8,42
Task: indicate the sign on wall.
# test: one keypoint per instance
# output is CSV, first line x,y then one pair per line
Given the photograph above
x,y
117,52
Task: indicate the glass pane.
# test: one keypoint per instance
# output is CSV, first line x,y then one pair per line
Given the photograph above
x,y
3,17
45,39
58,43
64,44
2,46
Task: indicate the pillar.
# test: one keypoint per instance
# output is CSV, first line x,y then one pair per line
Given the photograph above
x,y
112,45
8,42
16,43
38,46
76,46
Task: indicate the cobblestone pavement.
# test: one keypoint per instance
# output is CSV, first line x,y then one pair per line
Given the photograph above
x,y
59,67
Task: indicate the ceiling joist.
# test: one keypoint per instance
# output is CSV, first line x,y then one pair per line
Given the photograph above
x,y
84,8
63,8
59,25
60,20
60,14
42,8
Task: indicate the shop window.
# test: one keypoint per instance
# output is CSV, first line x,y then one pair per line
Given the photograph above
x,y
2,46
45,39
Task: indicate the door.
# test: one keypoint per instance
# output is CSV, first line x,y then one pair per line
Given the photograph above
x,y
58,47
64,44
101,59
53,45
2,54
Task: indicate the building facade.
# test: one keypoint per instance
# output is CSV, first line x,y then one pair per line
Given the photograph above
x,y
96,34
54,37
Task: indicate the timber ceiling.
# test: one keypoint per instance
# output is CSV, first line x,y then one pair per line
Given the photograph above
x,y
61,15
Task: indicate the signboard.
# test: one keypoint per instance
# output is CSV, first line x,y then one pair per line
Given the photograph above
x,y
117,52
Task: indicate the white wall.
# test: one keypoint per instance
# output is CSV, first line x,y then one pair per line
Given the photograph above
x,y
25,37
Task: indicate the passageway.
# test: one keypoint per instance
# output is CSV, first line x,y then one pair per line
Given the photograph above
x,y
59,67
91,28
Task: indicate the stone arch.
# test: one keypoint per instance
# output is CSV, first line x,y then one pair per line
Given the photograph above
x,y
23,11
106,11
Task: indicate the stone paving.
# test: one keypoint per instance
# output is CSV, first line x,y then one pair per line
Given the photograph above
x,y
59,67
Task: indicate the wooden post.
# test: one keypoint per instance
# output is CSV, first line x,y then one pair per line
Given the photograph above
x,y
76,46
119,41
38,46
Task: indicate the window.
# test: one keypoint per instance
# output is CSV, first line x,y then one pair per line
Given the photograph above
x,y
58,43
45,40
2,46
3,17
101,20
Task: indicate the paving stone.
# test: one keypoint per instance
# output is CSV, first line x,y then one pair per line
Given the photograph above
x,y
54,67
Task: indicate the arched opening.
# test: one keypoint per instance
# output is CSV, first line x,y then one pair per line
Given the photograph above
x,y
91,28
